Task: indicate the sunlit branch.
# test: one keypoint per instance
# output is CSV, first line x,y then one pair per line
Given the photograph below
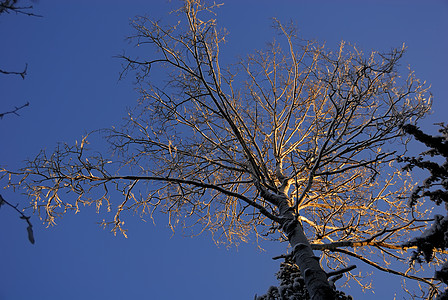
x,y
428,281
194,183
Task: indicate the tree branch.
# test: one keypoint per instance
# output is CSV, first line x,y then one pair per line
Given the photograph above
x,y
384,269
23,217
22,74
14,111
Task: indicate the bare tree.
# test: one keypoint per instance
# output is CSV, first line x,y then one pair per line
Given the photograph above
x,y
294,145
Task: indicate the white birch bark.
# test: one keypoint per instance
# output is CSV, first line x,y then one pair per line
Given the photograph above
x,y
315,277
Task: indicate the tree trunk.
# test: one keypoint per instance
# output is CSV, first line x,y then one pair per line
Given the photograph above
x,y
316,280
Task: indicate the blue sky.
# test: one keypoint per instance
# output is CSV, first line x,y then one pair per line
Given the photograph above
x,y
72,86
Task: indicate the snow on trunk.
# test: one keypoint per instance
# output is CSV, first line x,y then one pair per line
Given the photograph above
x,y
316,280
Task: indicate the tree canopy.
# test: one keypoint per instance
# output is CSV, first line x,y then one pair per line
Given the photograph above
x,y
292,143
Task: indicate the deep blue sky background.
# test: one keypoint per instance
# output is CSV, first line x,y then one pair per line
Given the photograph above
x,y
73,88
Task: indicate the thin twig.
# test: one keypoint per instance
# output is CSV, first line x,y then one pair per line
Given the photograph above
x,y
23,217
17,9
22,74
15,110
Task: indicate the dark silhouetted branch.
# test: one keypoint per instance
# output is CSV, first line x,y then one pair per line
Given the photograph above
x,y
14,111
22,74
23,217
9,6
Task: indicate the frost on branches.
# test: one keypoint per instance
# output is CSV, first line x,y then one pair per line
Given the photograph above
x,y
436,188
